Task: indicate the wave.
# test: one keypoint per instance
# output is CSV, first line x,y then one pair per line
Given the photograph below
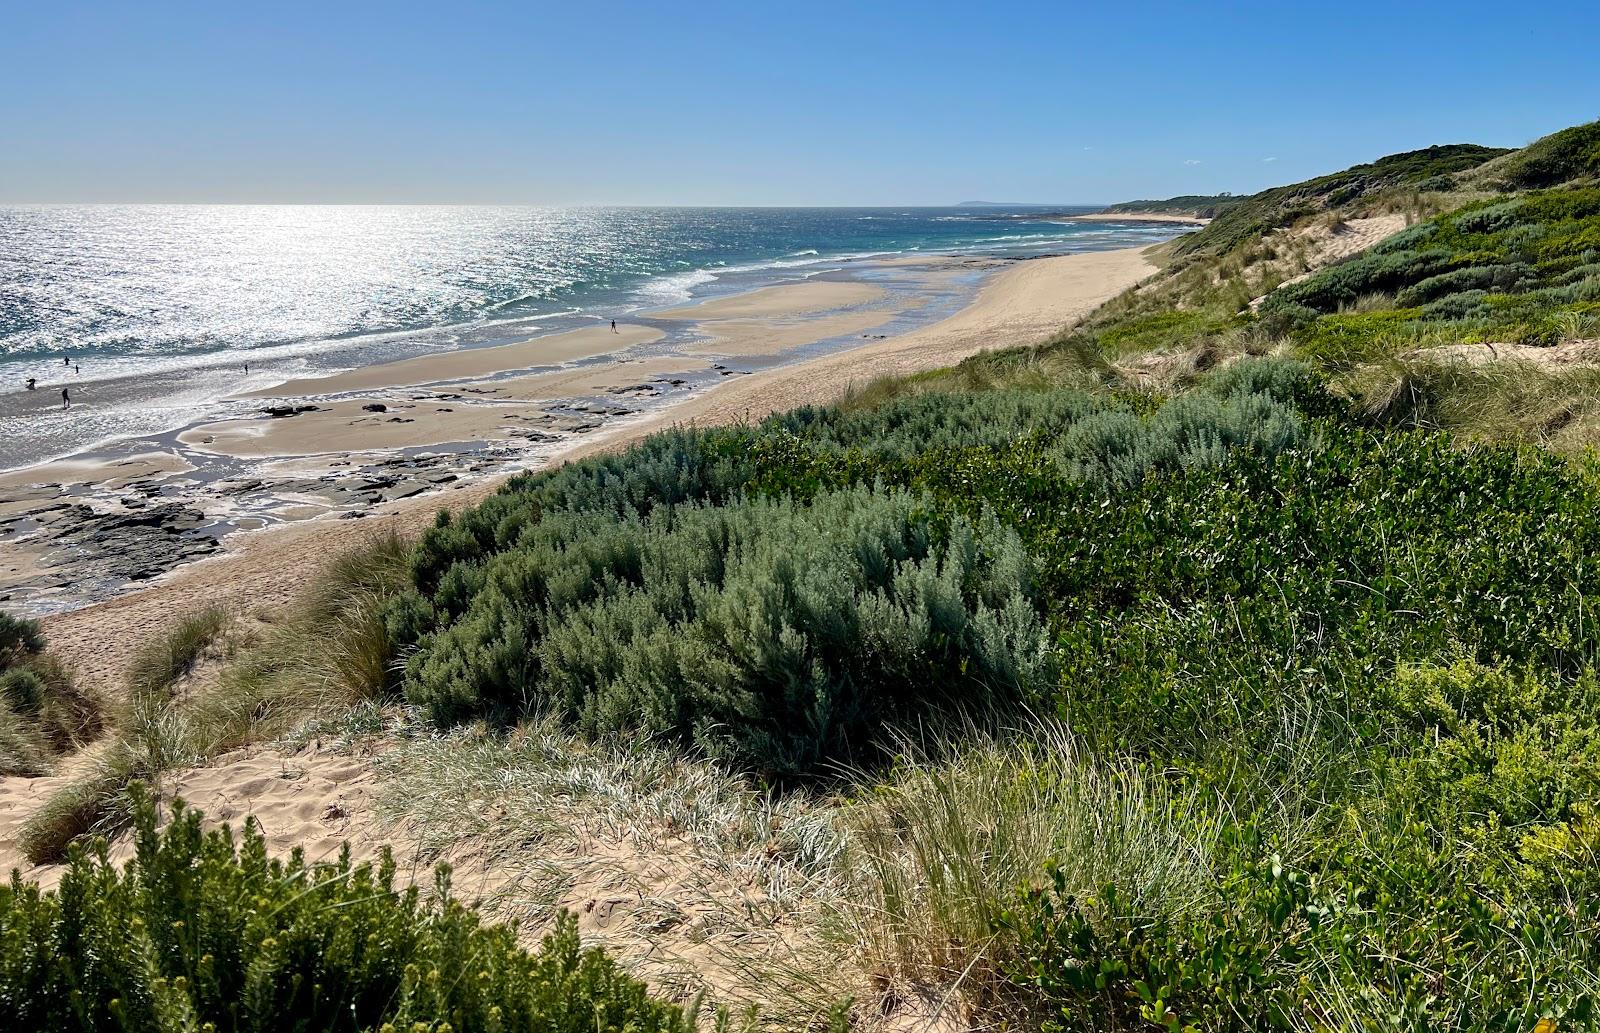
x,y
675,287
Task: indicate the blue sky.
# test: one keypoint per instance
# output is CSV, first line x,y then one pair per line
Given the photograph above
x,y
589,101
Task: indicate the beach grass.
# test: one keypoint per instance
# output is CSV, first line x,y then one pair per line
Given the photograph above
x,y
327,655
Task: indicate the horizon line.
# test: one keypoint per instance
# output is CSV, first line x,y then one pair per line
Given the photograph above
x,y
574,204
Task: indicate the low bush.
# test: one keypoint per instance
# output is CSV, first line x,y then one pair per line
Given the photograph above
x,y
198,932
1190,432
774,635
1373,272
1561,156
1502,277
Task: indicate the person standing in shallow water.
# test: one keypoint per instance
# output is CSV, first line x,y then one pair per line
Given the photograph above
x,y
66,399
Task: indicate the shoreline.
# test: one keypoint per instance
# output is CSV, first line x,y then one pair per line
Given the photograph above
x,y
1018,304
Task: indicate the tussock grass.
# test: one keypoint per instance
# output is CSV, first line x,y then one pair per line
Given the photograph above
x,y
43,713
329,653
158,665
940,849
1506,400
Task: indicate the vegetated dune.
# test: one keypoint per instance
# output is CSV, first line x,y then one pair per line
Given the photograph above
x,y
1313,617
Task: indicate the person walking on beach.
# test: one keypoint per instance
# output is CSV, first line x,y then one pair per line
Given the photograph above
x,y
613,326
66,399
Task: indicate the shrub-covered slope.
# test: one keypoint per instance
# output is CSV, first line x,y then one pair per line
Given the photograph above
x,y
1253,217
1201,206
1521,270
1364,657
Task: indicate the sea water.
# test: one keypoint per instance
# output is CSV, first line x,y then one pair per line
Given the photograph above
x,y
150,313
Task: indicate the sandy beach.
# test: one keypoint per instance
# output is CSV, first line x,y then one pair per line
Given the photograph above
x,y
1021,302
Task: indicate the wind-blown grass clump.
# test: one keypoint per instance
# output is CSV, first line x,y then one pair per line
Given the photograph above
x,y
42,712
199,932
773,635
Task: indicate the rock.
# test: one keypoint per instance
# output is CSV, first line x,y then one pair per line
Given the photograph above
x,y
280,412
374,407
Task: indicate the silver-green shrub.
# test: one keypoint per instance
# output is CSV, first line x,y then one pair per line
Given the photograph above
x,y
771,634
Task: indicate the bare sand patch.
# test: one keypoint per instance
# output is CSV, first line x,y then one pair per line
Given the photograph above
x,y
787,299
467,363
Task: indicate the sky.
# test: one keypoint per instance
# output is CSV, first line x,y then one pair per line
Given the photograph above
x,y
596,102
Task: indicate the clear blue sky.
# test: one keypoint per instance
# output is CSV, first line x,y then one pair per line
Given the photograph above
x,y
589,101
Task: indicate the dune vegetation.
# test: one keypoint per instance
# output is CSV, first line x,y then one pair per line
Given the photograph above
x,y
1228,662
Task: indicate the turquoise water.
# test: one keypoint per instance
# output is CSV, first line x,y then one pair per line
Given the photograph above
x,y
174,299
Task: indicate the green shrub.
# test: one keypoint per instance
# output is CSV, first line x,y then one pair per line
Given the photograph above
x,y
23,690
664,469
1190,432
198,933
1288,381
1467,304
774,635
19,637
1371,273
1561,156
1503,277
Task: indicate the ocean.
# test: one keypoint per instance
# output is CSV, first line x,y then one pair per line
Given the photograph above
x,y
150,312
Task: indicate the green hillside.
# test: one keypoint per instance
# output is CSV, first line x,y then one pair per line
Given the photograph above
x,y
1431,168
1201,206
